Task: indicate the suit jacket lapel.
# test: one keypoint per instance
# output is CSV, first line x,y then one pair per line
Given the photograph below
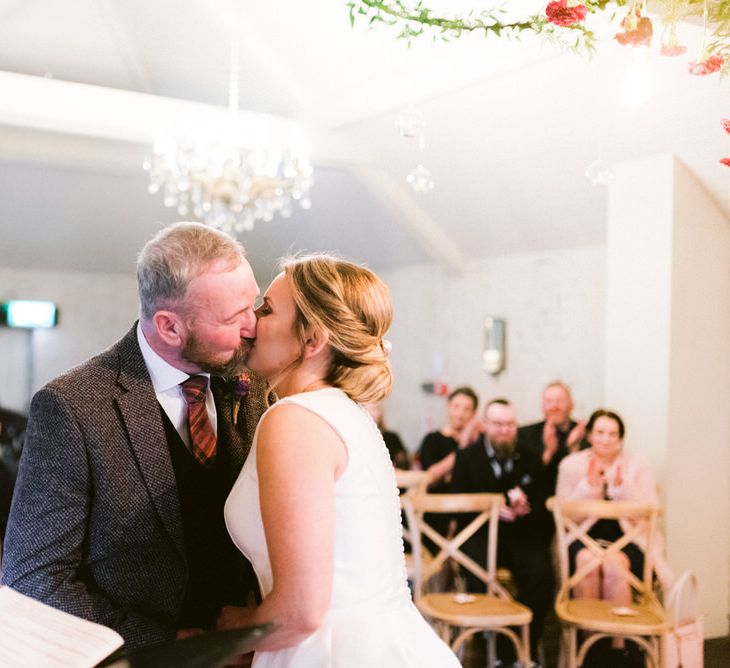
x,y
239,437
483,469
140,413
227,431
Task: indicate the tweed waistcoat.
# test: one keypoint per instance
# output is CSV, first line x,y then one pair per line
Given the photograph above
x,y
214,563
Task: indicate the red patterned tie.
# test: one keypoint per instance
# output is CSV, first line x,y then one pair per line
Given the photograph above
x,y
202,436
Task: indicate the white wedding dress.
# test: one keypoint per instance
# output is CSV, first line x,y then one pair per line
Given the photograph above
x,y
371,621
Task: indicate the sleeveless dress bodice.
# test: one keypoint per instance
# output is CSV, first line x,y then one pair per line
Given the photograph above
x,y
371,620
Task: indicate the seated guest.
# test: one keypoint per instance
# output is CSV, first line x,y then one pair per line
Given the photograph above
x,y
497,463
396,449
557,435
436,454
12,433
606,471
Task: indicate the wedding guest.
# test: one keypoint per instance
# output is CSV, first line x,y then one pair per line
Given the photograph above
x,y
437,452
496,462
397,451
117,515
315,505
7,482
12,435
558,434
607,471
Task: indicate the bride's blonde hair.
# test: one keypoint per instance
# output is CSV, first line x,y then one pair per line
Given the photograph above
x,y
352,306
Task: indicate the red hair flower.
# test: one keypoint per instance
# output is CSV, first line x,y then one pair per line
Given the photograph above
x,y
637,30
725,161
726,124
560,14
707,66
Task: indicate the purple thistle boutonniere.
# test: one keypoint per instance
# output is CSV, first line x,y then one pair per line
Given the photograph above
x,y
241,388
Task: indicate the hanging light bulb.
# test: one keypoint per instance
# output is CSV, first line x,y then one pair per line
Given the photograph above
x,y
420,179
410,122
599,173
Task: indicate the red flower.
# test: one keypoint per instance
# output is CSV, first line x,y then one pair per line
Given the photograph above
x,y
672,50
560,14
725,161
707,66
637,30
726,124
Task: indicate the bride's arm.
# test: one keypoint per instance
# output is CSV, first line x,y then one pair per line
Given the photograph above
x,y
299,458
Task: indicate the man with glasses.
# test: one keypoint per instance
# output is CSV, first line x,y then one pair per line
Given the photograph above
x,y
497,463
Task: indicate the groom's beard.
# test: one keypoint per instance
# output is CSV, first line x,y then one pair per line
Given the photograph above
x,y
205,358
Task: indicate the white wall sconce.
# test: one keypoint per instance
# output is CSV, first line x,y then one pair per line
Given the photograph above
x,y
494,356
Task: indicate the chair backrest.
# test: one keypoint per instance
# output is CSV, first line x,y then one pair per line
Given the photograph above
x,y
411,480
573,521
485,506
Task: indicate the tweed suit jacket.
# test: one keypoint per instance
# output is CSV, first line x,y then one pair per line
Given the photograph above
x,y
95,526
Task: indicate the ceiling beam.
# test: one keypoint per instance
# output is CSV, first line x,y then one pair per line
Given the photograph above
x,y
94,111
74,109
412,217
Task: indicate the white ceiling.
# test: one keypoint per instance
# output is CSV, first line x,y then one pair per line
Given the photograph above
x,y
511,127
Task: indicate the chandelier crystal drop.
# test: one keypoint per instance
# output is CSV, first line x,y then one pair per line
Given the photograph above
x,y
233,172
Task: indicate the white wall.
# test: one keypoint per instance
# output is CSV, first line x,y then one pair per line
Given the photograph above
x,y
553,304
668,358
94,311
699,401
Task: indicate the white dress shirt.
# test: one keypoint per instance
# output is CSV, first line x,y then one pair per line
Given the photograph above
x,y
166,381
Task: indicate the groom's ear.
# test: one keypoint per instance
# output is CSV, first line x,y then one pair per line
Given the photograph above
x,y
315,341
169,328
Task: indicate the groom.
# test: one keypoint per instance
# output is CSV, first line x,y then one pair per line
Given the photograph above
x,y
117,515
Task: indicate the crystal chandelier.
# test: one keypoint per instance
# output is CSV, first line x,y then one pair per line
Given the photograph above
x,y
235,172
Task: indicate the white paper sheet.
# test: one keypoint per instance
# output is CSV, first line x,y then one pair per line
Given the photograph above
x,y
34,634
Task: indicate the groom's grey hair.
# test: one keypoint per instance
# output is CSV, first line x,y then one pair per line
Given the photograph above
x,y
174,257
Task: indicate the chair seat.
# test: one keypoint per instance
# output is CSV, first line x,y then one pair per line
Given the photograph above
x,y
474,610
598,615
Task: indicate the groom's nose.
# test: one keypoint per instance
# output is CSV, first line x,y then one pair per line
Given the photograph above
x,y
248,325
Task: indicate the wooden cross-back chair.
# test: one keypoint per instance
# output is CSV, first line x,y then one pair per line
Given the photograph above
x,y
644,621
494,610
411,482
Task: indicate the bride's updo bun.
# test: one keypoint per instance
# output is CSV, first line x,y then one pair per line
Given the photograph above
x,y
352,305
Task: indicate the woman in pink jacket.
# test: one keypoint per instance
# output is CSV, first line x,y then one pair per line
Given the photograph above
x,y
606,471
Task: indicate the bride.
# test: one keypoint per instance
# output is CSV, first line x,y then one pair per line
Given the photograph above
x,y
315,508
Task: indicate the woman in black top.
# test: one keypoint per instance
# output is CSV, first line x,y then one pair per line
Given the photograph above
x,y
437,452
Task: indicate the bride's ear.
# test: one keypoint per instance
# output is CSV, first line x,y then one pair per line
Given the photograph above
x,y
315,342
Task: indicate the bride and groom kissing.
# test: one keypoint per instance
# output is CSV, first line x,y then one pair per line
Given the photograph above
x,y
153,498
